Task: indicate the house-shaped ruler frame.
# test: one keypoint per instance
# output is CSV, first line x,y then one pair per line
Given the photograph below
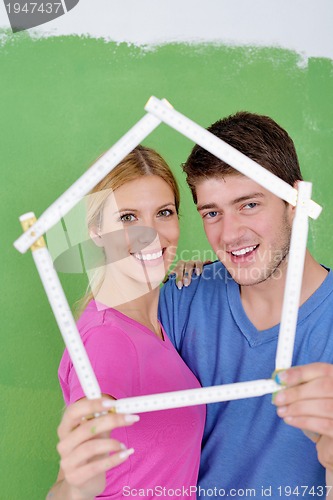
x,y
161,111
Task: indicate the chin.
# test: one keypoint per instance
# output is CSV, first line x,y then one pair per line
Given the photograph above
x,y
153,277
247,277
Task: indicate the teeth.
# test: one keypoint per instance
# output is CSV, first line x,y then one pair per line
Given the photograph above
x,y
243,251
148,256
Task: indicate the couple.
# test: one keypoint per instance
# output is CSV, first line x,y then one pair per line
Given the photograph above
x,y
224,326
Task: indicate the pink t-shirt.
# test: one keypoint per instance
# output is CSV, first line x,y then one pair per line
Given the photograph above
x,y
130,360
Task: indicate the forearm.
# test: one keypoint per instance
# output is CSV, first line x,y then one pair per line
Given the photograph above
x,y
329,483
86,449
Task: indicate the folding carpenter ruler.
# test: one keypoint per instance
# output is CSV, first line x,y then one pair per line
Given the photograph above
x,y
161,110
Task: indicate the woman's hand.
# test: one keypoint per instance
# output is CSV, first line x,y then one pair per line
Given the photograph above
x,y
184,270
86,449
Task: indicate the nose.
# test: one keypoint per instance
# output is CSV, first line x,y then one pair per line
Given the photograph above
x,y
146,234
231,230
141,237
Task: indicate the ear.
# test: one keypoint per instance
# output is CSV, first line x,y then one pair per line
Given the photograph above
x,y
96,237
293,208
296,184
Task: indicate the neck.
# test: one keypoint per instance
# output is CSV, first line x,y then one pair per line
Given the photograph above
x,y
143,310
138,301
263,302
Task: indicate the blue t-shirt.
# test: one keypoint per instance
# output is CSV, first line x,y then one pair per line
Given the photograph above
x,y
246,446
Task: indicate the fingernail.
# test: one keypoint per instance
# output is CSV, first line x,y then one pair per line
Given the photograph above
x,y
100,414
281,377
197,271
288,419
273,397
126,453
108,403
179,285
131,418
122,446
282,411
280,398
186,282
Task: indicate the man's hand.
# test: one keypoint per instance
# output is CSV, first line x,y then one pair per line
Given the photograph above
x,y
307,403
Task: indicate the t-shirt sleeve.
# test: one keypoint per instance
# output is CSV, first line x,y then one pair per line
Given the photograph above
x,y
171,314
113,359
167,310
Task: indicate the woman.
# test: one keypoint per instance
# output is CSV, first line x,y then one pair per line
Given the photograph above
x,y
133,218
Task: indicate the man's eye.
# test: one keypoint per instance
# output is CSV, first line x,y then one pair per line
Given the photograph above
x,y
211,215
251,205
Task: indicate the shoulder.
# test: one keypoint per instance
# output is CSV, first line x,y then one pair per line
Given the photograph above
x,y
316,323
326,289
322,298
91,317
207,289
213,275
327,285
104,328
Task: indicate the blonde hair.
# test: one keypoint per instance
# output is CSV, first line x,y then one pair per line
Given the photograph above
x,y
140,162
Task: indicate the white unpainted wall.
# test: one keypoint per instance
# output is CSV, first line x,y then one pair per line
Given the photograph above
x,y
305,26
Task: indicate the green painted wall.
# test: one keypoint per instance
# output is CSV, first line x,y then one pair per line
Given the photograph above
x,y
63,102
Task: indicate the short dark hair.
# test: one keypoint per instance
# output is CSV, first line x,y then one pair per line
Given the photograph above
x,y
258,137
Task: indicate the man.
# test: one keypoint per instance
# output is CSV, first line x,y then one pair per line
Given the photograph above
x,y
225,325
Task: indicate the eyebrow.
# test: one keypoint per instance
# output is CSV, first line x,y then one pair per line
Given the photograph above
x,y
233,202
136,210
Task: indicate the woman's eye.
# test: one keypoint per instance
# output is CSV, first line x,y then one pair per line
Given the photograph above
x,y
165,213
127,218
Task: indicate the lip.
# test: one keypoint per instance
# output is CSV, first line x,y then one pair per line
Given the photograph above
x,y
247,258
149,252
152,262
